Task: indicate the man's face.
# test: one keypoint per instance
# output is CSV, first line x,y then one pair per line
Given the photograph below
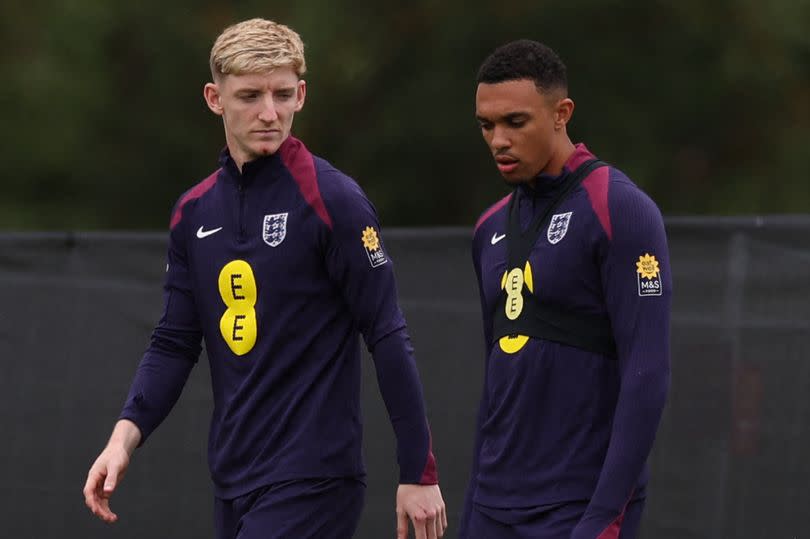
x,y
519,124
257,110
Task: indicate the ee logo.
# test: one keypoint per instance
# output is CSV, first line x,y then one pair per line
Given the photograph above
x,y
237,286
513,282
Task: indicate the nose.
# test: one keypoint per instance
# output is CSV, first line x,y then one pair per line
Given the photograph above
x,y
268,112
500,140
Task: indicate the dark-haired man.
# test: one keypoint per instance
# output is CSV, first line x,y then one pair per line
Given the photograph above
x,y
573,272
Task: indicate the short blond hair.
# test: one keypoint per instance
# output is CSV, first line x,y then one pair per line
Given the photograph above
x,y
257,46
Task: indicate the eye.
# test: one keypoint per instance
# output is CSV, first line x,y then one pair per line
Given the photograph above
x,y
516,122
485,126
286,95
250,96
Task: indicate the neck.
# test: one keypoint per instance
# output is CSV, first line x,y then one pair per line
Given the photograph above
x,y
559,157
240,158
239,162
237,155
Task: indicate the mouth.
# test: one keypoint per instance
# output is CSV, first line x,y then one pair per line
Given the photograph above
x,y
506,163
264,133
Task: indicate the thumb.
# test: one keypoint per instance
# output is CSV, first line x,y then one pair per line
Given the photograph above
x,y
111,481
402,524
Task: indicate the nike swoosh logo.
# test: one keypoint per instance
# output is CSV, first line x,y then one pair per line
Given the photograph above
x,y
205,233
496,238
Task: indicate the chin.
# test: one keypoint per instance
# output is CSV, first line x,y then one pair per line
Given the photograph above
x,y
267,149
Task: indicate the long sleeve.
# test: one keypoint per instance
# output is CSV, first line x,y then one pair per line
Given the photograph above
x,y
358,262
173,351
401,390
637,283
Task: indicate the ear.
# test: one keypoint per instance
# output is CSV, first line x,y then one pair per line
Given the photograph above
x,y
301,94
563,112
213,97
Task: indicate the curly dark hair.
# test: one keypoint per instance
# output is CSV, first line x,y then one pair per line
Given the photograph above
x,y
525,59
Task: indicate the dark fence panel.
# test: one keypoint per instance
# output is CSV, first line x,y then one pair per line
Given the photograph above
x,y
729,461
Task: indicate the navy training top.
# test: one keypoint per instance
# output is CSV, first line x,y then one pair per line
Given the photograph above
x,y
280,268
558,423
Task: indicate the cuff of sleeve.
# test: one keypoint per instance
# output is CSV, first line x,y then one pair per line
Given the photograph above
x,y
429,474
598,525
136,411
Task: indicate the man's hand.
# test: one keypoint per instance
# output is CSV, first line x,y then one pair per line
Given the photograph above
x,y
109,468
424,506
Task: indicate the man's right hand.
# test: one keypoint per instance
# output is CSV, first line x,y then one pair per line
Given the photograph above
x,y
109,468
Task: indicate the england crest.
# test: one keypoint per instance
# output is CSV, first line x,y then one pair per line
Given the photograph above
x,y
558,227
274,229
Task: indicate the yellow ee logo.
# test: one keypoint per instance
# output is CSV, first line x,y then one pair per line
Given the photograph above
x,y
513,282
237,286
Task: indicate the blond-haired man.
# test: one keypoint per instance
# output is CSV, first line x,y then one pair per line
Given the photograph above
x,y
276,261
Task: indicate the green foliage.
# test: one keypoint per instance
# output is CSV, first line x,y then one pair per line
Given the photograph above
x,y
706,105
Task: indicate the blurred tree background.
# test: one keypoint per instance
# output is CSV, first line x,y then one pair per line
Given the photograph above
x,y
706,105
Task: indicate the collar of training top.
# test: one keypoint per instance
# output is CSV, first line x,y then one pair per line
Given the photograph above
x,y
251,169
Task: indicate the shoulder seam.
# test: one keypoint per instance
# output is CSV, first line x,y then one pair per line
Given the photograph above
x,y
300,163
194,193
597,188
491,211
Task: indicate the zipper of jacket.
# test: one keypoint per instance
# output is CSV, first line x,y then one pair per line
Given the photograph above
x,y
240,185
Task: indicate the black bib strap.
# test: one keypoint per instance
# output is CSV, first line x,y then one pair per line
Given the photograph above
x,y
542,320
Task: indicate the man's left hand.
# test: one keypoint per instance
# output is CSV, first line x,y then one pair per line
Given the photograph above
x,y
424,506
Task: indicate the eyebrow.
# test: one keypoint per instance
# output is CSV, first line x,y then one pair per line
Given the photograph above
x,y
515,115
252,90
506,117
